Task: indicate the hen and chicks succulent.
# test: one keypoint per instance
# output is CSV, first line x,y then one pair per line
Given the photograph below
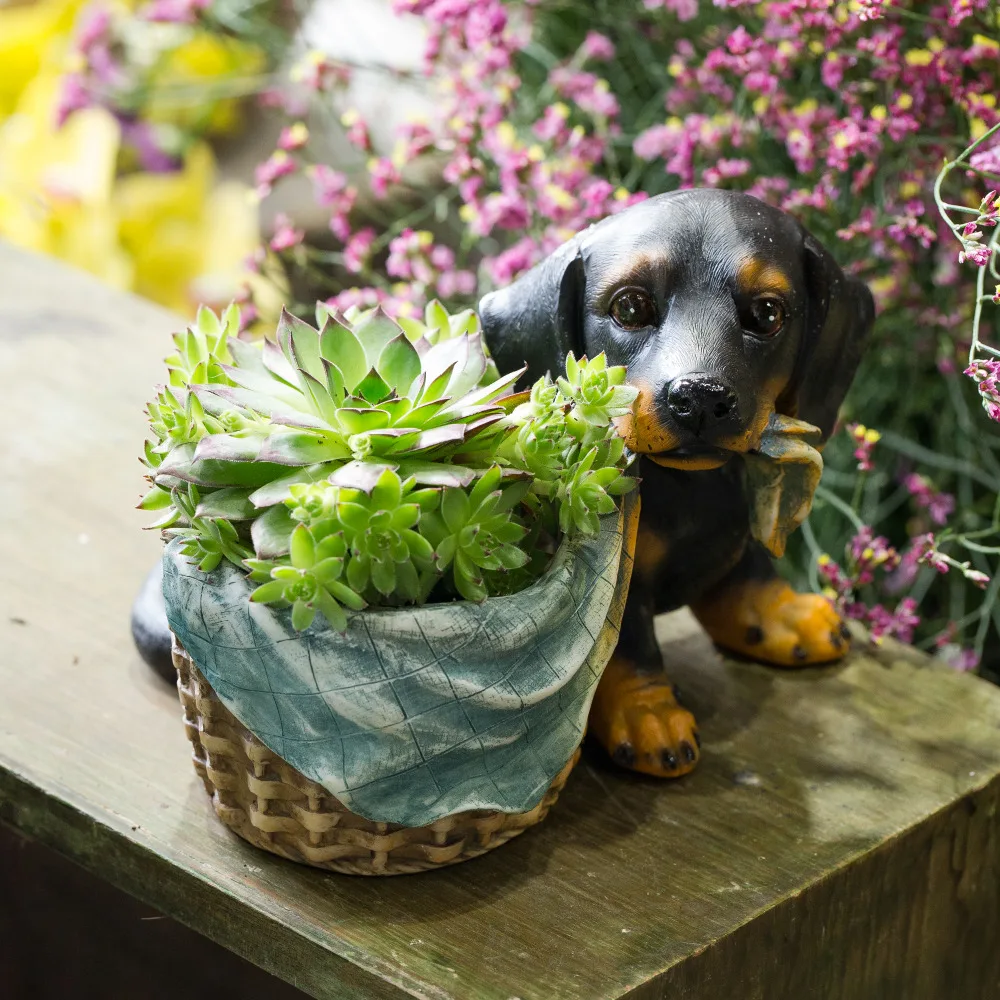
x,y
369,462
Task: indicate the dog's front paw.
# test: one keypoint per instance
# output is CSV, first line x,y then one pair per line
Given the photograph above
x,y
768,621
637,719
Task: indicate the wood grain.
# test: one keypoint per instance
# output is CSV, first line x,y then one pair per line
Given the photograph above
x,y
839,839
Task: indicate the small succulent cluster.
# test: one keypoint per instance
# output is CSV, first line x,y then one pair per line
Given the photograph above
x,y
375,462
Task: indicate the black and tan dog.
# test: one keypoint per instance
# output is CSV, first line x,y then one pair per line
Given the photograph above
x,y
725,311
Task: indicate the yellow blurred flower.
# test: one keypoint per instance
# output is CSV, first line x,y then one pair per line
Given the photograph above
x,y
190,83
26,33
187,236
178,238
55,184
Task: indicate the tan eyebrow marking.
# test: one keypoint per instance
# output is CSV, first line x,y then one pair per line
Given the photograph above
x,y
636,268
755,275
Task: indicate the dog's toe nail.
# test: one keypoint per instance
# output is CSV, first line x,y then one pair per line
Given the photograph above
x,y
624,754
845,632
697,738
687,752
835,640
676,691
668,760
798,653
755,635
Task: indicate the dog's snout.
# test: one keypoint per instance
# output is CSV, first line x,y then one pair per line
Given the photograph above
x,y
699,402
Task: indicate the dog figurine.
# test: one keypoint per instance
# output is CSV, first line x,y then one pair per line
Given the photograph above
x,y
732,320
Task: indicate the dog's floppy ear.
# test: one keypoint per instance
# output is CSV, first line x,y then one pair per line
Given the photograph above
x,y
538,320
840,312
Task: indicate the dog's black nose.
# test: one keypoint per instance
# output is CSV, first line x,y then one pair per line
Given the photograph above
x,y
699,402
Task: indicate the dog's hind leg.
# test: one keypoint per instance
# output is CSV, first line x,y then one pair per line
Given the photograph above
x,y
635,715
757,614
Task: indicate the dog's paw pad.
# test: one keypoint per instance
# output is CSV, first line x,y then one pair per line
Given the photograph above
x,y
644,729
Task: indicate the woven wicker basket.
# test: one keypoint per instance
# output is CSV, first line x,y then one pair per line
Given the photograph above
x,y
274,806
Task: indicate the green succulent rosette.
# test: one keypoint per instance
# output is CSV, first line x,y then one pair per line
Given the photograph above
x,y
364,463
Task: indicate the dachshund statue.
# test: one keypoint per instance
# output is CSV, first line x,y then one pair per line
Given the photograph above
x,y
742,335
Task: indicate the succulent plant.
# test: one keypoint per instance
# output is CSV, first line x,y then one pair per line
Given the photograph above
x,y
478,531
368,462
310,582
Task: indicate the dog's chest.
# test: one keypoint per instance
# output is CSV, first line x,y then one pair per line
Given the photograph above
x,y
693,529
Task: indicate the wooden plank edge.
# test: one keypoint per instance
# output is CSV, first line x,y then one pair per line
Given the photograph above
x,y
947,941
200,904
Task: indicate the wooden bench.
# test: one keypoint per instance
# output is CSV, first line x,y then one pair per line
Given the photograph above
x,y
840,839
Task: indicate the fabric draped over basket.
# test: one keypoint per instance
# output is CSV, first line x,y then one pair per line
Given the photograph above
x,y
418,713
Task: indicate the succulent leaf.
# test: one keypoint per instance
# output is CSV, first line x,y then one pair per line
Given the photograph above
x,y
302,548
399,364
181,464
155,499
239,447
324,395
271,532
299,342
291,446
354,420
361,476
373,387
374,330
341,347
436,473
277,364
280,409
472,371
280,489
231,504
445,355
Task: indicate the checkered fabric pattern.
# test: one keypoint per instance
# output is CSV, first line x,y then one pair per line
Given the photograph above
x,y
417,713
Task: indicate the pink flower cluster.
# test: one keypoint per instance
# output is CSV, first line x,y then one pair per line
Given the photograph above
x,y
970,234
952,653
872,560
984,374
865,440
93,45
413,256
285,236
741,90
939,505
866,555
523,183
174,11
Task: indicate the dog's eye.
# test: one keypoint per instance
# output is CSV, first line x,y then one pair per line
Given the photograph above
x,y
766,316
633,309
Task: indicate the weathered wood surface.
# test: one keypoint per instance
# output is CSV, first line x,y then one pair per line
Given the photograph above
x,y
840,839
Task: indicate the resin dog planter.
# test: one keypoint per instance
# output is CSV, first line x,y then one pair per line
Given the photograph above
x,y
421,737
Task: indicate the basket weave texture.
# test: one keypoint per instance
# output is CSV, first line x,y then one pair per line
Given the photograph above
x,y
271,804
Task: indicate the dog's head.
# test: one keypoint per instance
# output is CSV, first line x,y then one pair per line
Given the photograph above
x,y
723,309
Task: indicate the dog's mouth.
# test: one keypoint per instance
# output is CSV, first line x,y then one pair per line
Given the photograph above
x,y
693,457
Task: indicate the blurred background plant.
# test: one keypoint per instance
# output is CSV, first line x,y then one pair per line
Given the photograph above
x,y
105,113
546,115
